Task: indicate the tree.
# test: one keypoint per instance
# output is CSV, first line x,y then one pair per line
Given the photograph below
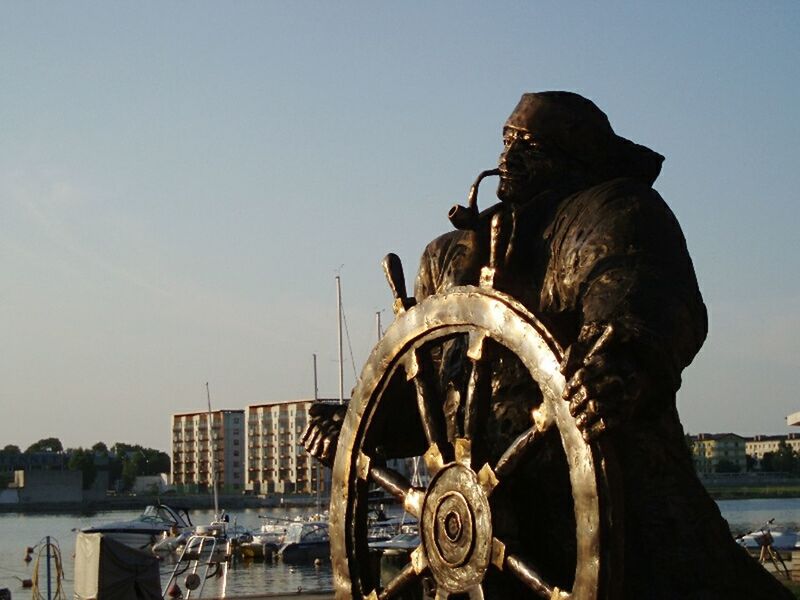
x,y
83,460
11,449
689,439
768,462
45,445
752,462
100,448
786,459
131,461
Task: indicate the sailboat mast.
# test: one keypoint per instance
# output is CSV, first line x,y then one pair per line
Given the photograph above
x,y
212,463
339,329
316,384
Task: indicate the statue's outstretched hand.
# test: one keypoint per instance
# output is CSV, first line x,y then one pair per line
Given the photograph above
x,y
603,381
322,432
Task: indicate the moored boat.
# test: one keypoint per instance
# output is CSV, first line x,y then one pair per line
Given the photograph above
x,y
305,541
149,527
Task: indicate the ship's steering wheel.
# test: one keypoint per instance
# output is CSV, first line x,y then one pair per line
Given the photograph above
x,y
463,521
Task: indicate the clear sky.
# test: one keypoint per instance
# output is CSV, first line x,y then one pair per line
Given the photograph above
x,y
180,183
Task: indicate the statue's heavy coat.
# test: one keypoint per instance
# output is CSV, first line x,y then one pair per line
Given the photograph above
x,y
614,253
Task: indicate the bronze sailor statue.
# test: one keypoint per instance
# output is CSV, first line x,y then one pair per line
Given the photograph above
x,y
535,370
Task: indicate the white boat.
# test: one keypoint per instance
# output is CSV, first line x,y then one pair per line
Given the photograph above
x,y
149,527
305,541
272,531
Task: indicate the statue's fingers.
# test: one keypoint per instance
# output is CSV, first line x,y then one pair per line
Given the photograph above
x,y
318,445
325,452
574,383
578,401
608,389
339,413
313,435
331,426
313,441
306,434
600,427
588,418
323,449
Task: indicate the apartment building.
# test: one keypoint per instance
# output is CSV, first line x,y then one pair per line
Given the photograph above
x,y
197,447
759,445
276,461
711,449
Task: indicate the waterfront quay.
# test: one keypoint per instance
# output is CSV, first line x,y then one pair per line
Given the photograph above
x,y
191,501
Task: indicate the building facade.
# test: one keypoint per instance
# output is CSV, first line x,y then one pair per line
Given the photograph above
x,y
758,445
197,445
716,452
276,460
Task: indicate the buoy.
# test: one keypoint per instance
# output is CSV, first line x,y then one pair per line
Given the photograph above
x,y
27,583
174,591
192,581
317,562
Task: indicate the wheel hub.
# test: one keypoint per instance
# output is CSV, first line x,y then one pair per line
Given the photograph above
x,y
456,528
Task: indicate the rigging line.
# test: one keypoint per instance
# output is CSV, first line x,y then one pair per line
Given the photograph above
x,y
349,345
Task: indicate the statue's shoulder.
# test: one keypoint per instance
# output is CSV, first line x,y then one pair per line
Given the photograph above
x,y
613,195
619,217
618,205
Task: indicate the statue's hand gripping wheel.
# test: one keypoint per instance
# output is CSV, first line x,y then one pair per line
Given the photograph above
x,y
461,546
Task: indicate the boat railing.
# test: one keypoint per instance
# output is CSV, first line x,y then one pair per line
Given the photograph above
x,y
203,557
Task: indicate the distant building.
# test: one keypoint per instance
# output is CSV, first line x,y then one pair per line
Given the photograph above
x,y
32,461
196,447
276,461
793,420
758,445
711,449
48,486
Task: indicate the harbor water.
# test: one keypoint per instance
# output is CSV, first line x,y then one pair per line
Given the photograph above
x,y
18,531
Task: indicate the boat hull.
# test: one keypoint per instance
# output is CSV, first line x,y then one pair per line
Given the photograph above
x,y
305,552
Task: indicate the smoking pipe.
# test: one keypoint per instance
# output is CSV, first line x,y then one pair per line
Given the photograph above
x,y
466,217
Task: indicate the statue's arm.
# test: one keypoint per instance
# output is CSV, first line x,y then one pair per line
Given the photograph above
x,y
625,265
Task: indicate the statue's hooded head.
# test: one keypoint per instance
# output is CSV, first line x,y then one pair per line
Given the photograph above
x,y
562,141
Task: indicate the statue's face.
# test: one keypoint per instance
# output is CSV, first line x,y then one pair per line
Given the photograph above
x,y
526,166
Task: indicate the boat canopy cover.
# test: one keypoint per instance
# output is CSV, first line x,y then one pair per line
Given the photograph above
x,y
106,569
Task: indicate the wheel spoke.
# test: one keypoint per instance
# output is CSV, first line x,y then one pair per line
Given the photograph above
x,y
434,460
487,479
528,575
399,487
420,371
475,385
400,582
463,451
516,452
